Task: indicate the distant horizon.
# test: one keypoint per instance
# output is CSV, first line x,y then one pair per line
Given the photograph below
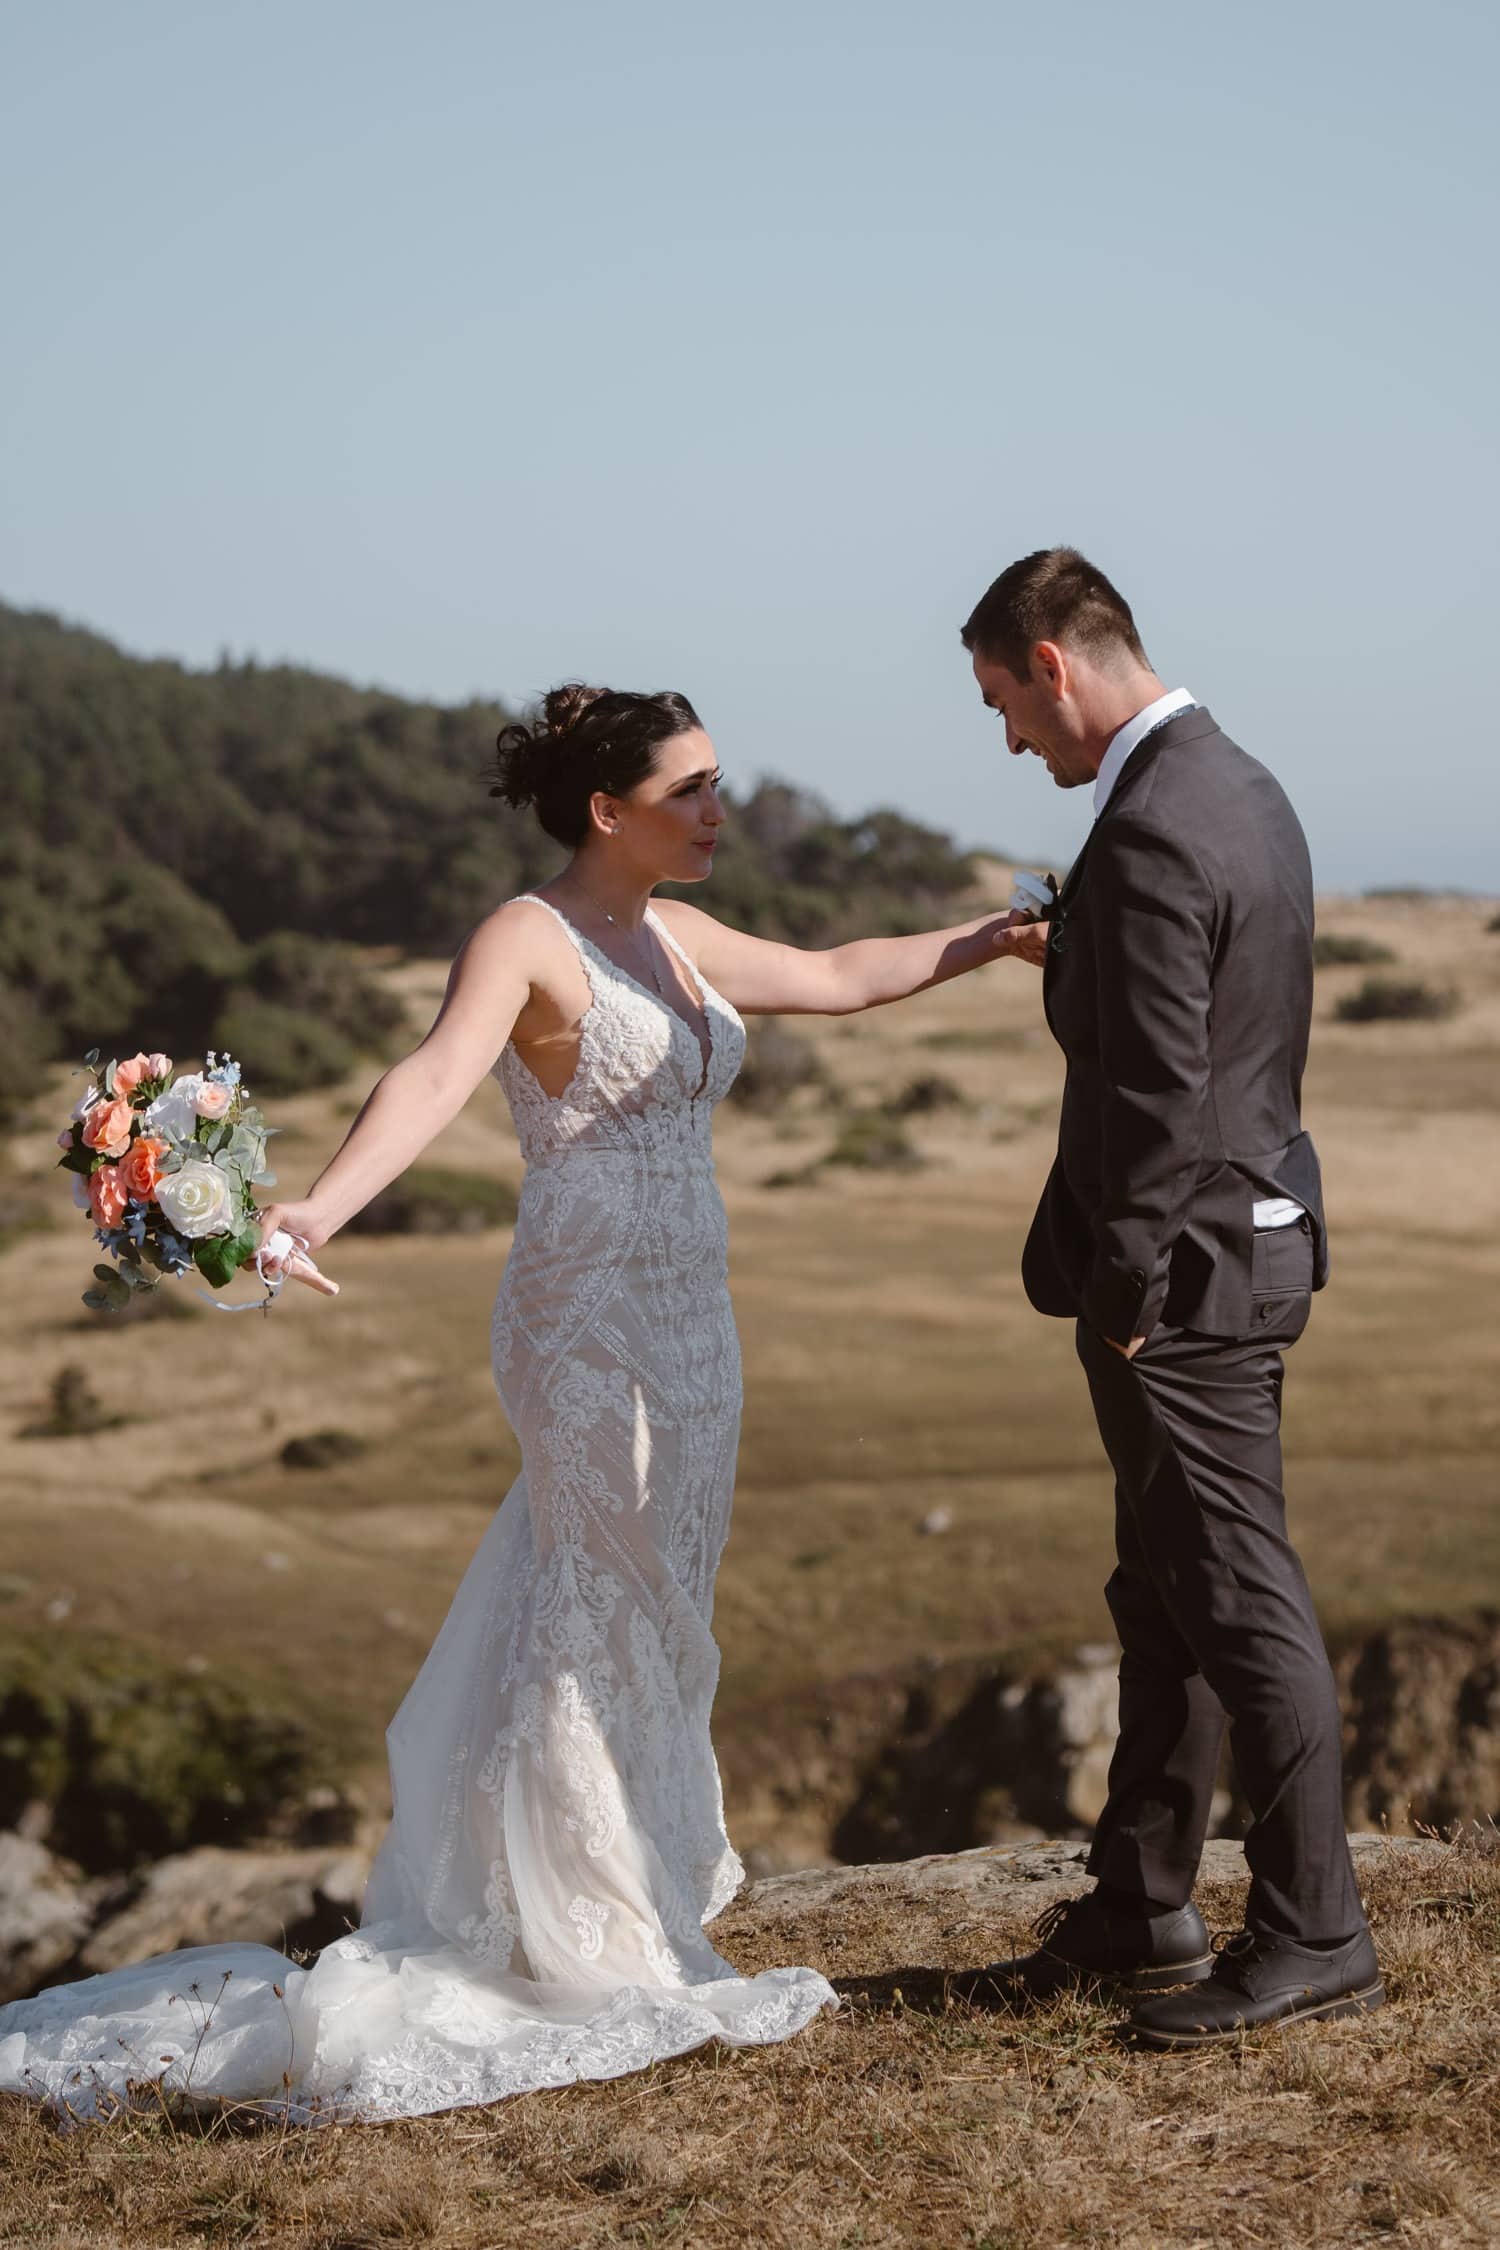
x,y
981,847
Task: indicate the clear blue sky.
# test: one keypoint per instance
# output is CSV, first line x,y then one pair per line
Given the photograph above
x,y
468,347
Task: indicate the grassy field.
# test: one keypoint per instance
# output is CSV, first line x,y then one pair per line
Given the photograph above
x,y
892,1368
912,2115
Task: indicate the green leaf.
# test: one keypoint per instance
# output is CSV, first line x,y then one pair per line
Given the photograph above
x,y
219,1258
264,1179
113,1288
92,1057
77,1159
96,1301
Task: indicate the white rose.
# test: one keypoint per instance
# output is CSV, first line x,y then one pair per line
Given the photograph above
x,y
86,1101
175,1112
198,1200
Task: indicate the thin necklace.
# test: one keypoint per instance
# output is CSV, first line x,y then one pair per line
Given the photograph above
x,y
629,935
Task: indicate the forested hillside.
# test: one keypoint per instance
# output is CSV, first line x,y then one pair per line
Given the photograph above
x,y
187,856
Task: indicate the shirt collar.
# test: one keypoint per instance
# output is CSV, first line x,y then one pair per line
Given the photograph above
x,y
1130,736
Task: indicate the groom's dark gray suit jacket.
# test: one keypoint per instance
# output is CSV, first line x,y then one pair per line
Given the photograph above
x,y
1178,983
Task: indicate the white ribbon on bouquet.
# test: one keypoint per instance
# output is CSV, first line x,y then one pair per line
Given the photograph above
x,y
292,1253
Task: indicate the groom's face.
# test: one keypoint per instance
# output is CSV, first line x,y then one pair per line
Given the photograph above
x,y
1037,713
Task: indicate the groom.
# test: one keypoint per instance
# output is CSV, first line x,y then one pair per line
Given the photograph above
x,y
1182,1227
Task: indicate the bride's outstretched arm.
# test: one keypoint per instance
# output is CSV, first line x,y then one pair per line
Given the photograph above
x,y
765,979
488,986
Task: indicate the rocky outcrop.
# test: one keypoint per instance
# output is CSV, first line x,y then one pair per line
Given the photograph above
x,y
1027,1877
294,1901
1422,1733
963,1755
56,1924
46,1913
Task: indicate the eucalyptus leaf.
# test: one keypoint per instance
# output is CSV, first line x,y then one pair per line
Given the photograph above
x,y
96,1301
265,1179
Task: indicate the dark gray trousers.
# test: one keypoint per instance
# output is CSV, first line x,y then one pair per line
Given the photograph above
x,y
1215,1619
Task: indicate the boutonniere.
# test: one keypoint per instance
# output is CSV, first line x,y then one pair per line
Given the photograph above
x,y
1035,895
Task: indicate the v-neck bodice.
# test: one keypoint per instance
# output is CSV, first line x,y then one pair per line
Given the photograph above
x,y
643,1079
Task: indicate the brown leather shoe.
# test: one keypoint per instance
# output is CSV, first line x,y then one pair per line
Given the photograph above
x,y
1100,1939
1261,1981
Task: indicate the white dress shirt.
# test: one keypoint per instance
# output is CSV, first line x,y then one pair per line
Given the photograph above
x,y
1273,1211
1135,731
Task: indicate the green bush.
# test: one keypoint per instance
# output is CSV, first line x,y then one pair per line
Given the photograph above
x,y
873,1140
24,1046
429,1200
136,1760
281,1050
1335,950
328,981
1390,1000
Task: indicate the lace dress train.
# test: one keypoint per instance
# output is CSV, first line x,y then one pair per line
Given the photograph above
x,y
536,1911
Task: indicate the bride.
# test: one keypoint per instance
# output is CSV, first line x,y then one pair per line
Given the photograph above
x,y
536,1911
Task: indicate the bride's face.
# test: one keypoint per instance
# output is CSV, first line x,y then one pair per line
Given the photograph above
x,y
670,822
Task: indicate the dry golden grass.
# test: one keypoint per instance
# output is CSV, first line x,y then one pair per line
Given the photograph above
x,y
910,2117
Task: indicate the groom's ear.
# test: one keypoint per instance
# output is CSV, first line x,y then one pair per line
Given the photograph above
x,y
1049,665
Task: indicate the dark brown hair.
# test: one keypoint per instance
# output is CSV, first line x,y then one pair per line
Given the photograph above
x,y
1054,595
585,739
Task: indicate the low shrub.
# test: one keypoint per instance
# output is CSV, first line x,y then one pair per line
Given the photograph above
x,y
323,1449
875,1141
281,1049
429,1200
74,1409
921,1097
1390,1000
1334,949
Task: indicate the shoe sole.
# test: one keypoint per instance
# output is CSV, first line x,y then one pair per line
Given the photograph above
x,y
1361,2003
1154,1976
1159,1976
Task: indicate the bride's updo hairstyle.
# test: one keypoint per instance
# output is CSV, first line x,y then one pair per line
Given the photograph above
x,y
586,739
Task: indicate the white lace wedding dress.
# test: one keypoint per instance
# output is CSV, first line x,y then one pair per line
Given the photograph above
x,y
536,1911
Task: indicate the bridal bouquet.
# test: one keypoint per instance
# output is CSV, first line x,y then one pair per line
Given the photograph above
x,y
164,1169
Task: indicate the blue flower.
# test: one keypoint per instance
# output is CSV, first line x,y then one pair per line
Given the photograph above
x,y
176,1254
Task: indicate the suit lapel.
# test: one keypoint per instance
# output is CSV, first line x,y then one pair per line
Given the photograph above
x,y
1183,727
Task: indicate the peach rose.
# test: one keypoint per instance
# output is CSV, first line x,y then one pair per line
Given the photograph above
x,y
140,1169
128,1075
106,1128
107,1196
212,1099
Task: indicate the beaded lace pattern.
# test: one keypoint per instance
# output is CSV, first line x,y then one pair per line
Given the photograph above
x,y
536,1912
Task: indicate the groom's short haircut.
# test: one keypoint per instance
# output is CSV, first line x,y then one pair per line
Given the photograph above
x,y
1054,595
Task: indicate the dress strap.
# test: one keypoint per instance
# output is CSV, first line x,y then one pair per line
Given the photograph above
x,y
529,898
700,982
